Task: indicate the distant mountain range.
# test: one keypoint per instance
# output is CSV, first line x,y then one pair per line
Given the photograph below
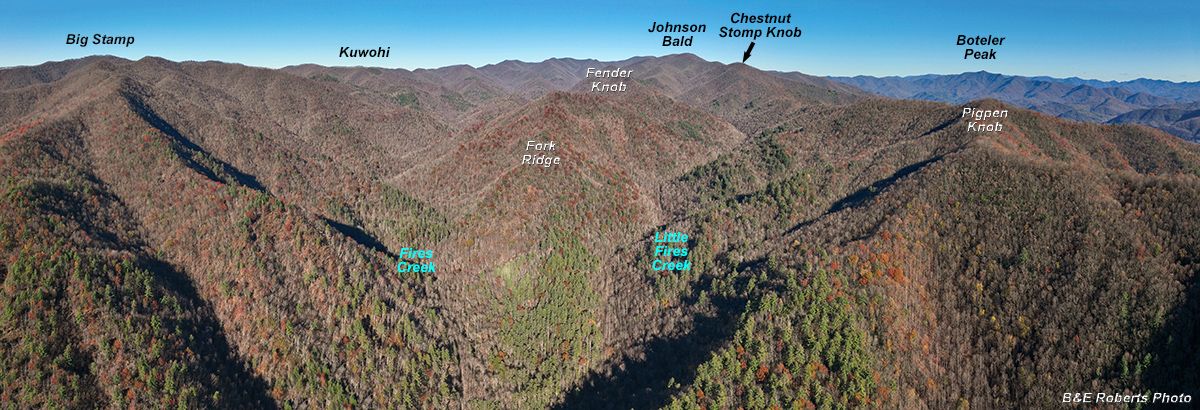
x,y
1165,105
213,235
464,95
1177,91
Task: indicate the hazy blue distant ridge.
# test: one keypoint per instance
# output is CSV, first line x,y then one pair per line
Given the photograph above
x,y
1071,98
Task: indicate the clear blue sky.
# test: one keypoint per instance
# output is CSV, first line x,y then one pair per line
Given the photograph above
x,y
1091,39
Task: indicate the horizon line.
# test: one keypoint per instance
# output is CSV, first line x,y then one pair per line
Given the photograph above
x,y
899,76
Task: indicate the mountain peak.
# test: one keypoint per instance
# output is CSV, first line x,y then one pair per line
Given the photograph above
x,y
214,235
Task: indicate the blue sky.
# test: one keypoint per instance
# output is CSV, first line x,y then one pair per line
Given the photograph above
x,y
1104,40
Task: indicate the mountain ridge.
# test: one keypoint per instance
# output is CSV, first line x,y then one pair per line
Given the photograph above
x,y
1077,99
216,235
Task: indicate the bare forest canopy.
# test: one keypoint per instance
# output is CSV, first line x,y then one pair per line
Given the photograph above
x,y
212,235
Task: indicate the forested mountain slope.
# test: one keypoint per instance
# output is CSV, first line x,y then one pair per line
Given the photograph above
x,y
1151,103
211,235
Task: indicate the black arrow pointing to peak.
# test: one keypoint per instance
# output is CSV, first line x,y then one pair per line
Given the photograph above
x,y
746,55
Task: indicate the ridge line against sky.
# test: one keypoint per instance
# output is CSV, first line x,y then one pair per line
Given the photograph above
x,y
1102,40
907,77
